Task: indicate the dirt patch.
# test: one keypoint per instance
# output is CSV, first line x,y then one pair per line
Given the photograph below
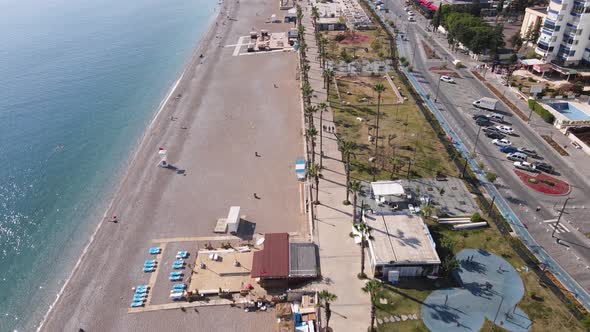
x,y
554,145
544,183
430,53
356,39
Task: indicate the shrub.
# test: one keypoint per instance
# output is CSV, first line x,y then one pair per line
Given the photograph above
x,y
490,176
543,113
339,37
476,217
533,180
410,69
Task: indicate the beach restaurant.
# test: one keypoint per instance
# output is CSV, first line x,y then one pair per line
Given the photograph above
x,y
281,262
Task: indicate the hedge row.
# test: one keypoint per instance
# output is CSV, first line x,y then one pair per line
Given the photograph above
x,y
543,113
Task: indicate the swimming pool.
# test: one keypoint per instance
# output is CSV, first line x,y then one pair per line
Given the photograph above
x,y
570,111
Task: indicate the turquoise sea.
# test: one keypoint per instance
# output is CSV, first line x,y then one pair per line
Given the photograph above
x,y
79,82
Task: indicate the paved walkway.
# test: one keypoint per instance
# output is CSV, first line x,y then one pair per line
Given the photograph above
x,y
339,256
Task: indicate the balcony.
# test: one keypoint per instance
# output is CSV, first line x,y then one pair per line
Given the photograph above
x,y
559,2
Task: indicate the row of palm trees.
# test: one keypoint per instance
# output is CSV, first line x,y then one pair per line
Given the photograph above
x,y
347,148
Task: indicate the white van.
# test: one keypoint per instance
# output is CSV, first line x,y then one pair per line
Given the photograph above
x,y
517,156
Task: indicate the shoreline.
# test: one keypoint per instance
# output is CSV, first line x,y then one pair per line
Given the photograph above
x,y
193,61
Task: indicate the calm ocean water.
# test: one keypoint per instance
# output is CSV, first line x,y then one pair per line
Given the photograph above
x,y
79,82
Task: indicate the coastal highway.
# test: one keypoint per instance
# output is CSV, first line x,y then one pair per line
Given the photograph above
x,y
455,102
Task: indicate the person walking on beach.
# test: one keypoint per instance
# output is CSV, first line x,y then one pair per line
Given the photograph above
x,y
256,154
256,196
113,219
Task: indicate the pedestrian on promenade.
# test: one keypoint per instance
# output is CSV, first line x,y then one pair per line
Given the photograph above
x,y
256,196
324,127
256,154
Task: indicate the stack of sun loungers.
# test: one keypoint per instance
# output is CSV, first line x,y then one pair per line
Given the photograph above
x,y
140,296
178,292
175,276
178,264
150,265
183,254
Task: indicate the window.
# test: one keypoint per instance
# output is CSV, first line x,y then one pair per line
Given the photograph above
x,y
576,42
579,32
572,53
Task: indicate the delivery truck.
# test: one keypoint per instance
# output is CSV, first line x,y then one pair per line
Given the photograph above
x,y
486,103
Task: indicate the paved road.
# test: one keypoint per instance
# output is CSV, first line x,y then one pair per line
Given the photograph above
x,y
455,103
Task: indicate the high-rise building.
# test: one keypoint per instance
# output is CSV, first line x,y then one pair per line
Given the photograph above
x,y
565,34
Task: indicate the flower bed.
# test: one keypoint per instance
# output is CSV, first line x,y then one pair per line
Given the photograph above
x,y
544,183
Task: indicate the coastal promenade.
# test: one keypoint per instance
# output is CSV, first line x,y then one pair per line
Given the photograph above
x,y
339,255
226,107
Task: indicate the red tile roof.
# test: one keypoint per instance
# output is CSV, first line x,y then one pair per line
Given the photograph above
x,y
273,260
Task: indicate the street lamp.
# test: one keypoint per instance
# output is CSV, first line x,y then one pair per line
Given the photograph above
x,y
559,217
437,87
476,138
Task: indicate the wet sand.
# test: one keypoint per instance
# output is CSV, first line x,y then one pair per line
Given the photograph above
x,y
228,109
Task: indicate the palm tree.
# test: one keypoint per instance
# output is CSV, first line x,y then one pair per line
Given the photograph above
x,y
309,112
347,148
379,88
307,92
299,15
322,108
325,298
314,171
328,76
365,232
314,14
355,187
373,287
311,133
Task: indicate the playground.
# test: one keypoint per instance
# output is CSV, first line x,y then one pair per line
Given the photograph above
x,y
490,289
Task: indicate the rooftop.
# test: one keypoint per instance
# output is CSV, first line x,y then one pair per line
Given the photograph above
x,y
400,239
387,188
303,260
273,260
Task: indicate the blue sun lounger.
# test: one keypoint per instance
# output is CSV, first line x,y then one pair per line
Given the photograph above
x,y
178,266
175,278
136,304
149,269
177,273
149,264
142,287
179,286
138,297
155,250
182,254
179,261
150,261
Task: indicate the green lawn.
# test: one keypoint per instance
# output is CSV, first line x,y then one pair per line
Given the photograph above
x,y
406,141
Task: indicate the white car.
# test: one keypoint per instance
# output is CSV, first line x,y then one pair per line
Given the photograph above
x,y
502,142
505,129
525,166
447,79
411,13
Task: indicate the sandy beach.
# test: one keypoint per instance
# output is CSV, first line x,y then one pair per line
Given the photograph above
x,y
223,110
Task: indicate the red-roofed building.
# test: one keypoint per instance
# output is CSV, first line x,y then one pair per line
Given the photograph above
x,y
280,261
272,262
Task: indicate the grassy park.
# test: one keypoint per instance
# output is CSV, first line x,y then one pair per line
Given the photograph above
x,y
406,139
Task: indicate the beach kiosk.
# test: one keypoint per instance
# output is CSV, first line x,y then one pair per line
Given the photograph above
x,y
233,219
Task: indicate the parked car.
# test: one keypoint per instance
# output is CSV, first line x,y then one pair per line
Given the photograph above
x,y
411,13
544,167
479,116
492,130
502,142
483,122
447,79
411,19
508,149
505,130
496,117
494,135
524,165
516,156
528,152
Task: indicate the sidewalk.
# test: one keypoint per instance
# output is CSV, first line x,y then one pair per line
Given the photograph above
x,y
339,256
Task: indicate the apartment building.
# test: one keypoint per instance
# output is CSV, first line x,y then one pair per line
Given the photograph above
x,y
565,34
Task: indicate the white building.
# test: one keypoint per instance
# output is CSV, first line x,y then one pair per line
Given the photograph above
x,y
400,246
565,31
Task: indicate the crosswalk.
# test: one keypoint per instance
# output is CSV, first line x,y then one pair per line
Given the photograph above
x,y
558,228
